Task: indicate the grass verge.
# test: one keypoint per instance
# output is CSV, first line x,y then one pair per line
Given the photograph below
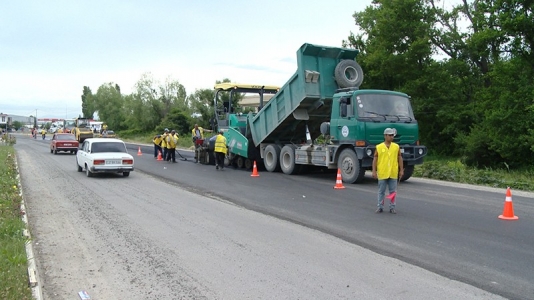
x,y
13,260
452,169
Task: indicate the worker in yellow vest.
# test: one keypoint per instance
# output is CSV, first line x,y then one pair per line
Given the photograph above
x,y
164,143
387,168
220,150
157,145
171,141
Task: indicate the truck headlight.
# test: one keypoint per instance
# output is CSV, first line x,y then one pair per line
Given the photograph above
x,y
369,152
420,151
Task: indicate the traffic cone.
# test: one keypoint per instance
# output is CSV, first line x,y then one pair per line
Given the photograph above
x,y
159,156
255,171
508,211
139,152
339,182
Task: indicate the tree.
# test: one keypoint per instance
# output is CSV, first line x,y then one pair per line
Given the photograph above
x,y
88,103
17,125
109,103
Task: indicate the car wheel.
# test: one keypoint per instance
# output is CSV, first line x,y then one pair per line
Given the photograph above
x,y
51,151
125,174
87,172
55,151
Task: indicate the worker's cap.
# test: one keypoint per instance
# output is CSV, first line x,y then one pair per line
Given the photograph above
x,y
221,131
173,131
390,131
166,129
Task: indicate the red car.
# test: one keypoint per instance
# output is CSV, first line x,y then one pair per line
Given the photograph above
x,y
64,142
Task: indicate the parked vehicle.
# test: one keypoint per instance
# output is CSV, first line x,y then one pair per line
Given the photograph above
x,y
64,142
104,155
320,118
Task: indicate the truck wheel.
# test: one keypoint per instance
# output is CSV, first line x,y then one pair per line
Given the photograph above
x,y
240,162
248,164
348,73
270,158
408,172
287,160
350,166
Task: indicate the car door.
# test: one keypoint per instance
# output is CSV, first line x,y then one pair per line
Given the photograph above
x,y
81,155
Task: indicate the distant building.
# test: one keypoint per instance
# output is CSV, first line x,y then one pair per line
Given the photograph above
x,y
5,121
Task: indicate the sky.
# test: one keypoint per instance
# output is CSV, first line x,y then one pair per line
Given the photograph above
x,y
50,50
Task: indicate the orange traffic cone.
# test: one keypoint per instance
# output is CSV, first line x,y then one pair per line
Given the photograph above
x,y
508,211
339,182
159,156
139,152
255,171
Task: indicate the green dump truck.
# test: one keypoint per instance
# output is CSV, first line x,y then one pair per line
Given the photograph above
x,y
320,118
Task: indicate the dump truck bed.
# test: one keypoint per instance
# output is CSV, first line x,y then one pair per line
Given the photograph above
x,y
305,99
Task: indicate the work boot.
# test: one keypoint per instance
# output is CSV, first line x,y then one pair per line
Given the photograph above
x,y
379,210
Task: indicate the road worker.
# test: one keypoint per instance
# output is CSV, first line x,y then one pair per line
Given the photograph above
x,y
164,143
198,133
171,141
157,145
220,150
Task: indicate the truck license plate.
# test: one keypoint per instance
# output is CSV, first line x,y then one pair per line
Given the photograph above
x,y
113,162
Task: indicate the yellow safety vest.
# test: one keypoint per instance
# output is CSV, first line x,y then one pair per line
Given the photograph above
x,y
163,142
172,140
201,132
387,165
220,144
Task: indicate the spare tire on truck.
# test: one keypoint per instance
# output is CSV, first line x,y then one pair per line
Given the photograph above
x,y
348,73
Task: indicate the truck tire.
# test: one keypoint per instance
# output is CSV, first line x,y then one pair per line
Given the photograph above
x,y
348,73
287,160
271,157
249,164
240,162
350,166
408,172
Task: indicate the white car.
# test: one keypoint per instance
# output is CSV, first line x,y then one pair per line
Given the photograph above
x,y
104,155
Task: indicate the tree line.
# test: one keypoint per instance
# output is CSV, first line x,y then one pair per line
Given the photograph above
x,y
468,68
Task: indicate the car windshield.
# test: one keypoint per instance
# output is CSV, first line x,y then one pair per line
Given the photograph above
x,y
101,147
65,137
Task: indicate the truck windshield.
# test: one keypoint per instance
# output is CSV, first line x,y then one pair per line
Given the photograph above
x,y
384,106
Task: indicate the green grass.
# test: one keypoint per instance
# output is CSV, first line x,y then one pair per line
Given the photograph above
x,y
13,261
452,169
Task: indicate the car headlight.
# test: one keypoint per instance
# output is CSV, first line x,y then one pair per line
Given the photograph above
x,y
369,152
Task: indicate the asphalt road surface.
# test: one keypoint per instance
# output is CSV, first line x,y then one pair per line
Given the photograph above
x,y
187,231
